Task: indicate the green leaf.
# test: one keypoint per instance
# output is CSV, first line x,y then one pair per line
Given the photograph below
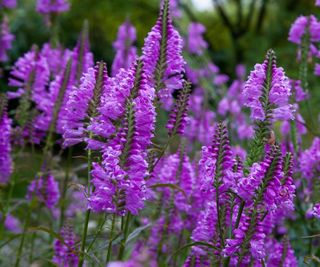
x,y
136,232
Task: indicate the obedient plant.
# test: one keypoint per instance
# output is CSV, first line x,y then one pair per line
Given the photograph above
x,y
6,39
184,165
126,52
162,57
119,179
5,145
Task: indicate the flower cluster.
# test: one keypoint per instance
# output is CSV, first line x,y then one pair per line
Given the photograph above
x,y
267,91
162,57
5,146
126,52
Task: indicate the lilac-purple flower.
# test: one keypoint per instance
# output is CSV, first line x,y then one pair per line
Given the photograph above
x,y
162,57
267,91
195,41
65,252
46,189
52,6
6,39
6,165
126,52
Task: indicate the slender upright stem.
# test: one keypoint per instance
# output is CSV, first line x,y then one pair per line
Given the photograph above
x,y
111,238
65,187
20,249
86,222
125,236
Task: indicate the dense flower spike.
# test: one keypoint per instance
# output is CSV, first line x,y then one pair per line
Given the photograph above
x,y
119,180
65,252
52,6
5,146
46,189
162,57
6,39
216,162
126,52
196,43
53,111
83,104
178,116
31,76
267,91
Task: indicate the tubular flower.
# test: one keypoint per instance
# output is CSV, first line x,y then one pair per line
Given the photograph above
x,y
279,254
31,75
216,163
119,179
83,103
56,58
267,91
5,146
300,27
6,39
162,57
126,52
53,112
65,252
316,210
8,3
46,189
52,6
178,116
196,43
309,160
264,177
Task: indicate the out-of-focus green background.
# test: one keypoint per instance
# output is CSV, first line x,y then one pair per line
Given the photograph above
x,y
264,26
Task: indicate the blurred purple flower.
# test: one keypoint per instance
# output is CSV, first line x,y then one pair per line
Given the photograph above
x,y
6,39
126,52
52,6
6,166
46,189
195,41
65,252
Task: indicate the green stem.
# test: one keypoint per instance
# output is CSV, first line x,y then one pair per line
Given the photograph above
x,y
86,222
101,224
65,187
20,249
125,236
111,238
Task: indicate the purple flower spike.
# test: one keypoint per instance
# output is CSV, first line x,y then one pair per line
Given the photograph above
x,y
126,52
162,57
178,116
65,252
83,103
196,43
119,179
260,92
52,6
6,39
5,146
46,189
